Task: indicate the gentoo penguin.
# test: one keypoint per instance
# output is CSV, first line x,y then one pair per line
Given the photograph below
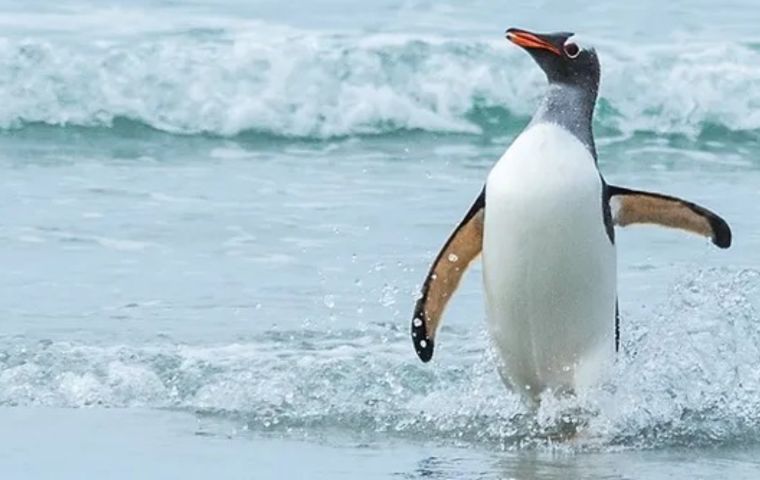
x,y
544,223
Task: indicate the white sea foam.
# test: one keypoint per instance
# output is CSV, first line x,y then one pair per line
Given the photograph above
x,y
687,376
292,83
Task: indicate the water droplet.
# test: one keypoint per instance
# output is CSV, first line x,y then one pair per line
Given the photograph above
x,y
329,301
423,343
453,258
417,322
388,296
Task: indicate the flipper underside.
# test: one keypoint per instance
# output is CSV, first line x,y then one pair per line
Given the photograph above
x,y
630,207
462,247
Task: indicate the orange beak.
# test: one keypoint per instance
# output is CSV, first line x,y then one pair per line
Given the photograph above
x,y
530,40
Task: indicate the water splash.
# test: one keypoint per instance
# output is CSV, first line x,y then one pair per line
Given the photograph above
x,y
688,376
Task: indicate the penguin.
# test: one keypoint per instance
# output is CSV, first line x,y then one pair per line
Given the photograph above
x,y
544,226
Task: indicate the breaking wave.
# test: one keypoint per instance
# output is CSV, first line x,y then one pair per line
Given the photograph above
x,y
688,376
289,83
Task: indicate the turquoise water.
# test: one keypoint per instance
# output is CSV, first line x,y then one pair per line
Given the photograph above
x,y
215,218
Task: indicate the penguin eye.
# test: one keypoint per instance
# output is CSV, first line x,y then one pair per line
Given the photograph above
x,y
572,50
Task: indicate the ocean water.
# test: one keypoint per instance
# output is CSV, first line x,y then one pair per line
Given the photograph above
x,y
215,217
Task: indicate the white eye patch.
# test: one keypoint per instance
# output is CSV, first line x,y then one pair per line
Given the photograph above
x,y
572,47
579,40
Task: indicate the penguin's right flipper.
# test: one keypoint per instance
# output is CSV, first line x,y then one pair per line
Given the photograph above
x,y
462,247
634,206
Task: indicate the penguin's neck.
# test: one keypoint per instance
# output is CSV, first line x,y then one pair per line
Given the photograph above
x,y
571,108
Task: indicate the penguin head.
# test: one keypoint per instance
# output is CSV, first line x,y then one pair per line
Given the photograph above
x,y
562,58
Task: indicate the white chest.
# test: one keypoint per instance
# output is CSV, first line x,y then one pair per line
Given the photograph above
x,y
544,158
545,190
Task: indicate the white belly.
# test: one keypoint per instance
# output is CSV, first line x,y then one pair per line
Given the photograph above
x,y
548,265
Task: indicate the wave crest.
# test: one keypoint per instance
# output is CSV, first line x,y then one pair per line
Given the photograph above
x,y
306,85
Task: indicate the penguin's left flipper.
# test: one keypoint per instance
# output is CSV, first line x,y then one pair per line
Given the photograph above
x,y
633,206
462,247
